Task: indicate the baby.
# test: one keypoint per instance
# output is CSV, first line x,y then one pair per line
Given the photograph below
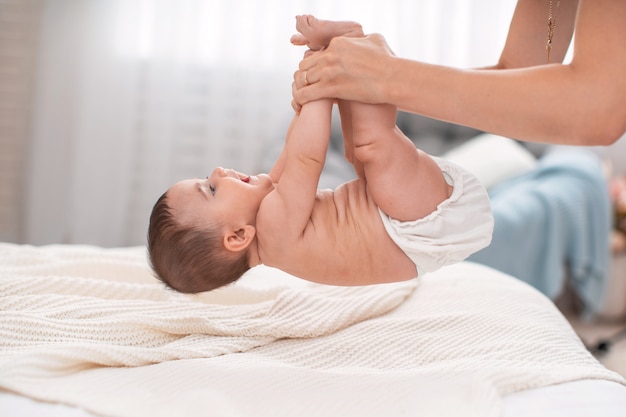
x,y
406,214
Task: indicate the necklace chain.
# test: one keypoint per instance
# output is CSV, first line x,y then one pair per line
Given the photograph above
x,y
551,28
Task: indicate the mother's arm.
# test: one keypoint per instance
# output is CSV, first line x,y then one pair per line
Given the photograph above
x,y
581,103
527,38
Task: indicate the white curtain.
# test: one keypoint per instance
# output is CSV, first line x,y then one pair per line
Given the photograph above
x,y
133,95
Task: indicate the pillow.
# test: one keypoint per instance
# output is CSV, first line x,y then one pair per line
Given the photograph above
x,y
492,158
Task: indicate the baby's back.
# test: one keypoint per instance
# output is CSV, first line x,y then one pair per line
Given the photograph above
x,y
344,243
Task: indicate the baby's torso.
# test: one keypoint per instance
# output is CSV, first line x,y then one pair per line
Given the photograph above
x,y
344,243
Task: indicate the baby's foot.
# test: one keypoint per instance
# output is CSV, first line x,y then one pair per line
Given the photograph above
x,y
317,34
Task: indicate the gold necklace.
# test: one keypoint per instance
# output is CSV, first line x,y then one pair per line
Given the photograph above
x,y
551,28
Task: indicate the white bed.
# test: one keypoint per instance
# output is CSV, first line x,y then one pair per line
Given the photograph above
x,y
87,331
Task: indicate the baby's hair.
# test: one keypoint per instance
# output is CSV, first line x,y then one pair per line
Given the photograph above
x,y
190,259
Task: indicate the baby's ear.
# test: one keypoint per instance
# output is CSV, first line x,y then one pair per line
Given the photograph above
x,y
237,240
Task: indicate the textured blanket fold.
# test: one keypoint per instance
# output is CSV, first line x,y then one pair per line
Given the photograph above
x,y
70,312
90,327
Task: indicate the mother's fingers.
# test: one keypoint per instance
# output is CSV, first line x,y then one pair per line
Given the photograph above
x,y
310,59
311,92
303,78
294,104
296,107
298,80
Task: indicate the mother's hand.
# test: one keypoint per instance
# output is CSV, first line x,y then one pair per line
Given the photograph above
x,y
350,69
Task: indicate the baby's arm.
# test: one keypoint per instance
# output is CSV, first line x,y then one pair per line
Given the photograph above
x,y
290,206
317,34
406,183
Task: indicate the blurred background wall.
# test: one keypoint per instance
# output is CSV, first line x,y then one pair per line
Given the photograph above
x,y
105,103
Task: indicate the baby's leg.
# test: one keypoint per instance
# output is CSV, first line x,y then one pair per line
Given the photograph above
x,y
403,181
345,114
317,34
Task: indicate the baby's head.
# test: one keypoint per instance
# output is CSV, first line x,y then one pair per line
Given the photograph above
x,y
202,230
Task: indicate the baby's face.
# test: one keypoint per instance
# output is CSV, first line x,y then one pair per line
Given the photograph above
x,y
226,196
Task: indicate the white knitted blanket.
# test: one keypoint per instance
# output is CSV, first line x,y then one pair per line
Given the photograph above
x,y
91,327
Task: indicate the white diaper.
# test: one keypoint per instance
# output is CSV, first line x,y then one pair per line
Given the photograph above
x,y
461,225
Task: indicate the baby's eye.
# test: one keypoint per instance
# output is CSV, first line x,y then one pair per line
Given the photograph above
x,y
211,187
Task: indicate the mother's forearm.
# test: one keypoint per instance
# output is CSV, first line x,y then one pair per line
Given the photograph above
x,y
550,103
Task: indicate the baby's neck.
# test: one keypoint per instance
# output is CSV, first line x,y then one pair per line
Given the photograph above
x,y
254,258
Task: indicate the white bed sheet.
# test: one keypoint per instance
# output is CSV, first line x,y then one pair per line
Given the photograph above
x,y
588,398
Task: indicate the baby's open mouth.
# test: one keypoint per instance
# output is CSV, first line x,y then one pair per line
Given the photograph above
x,y
246,179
